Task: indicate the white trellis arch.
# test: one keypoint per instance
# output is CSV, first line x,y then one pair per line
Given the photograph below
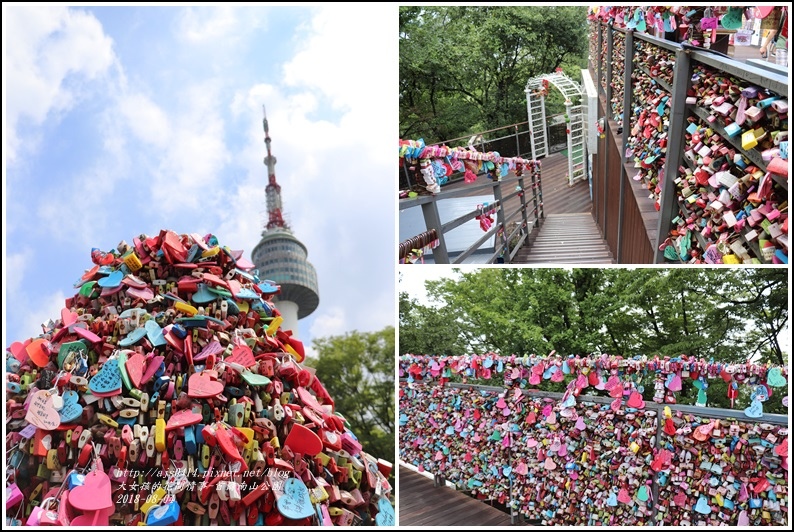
x,y
575,117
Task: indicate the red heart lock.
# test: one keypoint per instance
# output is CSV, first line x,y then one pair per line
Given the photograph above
x,y
183,418
134,367
242,355
304,441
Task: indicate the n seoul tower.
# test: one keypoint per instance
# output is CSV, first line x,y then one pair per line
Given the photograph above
x,y
281,258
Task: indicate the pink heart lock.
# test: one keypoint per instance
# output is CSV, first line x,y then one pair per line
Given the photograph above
x,y
580,424
635,400
501,403
680,499
202,385
68,317
616,391
623,496
94,494
41,412
615,405
134,367
549,464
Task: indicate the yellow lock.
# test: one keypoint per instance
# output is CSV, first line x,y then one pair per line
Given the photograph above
x,y
730,259
634,447
274,442
190,310
249,433
274,325
53,464
668,412
153,500
205,455
107,420
211,252
133,262
318,494
719,500
324,458
159,435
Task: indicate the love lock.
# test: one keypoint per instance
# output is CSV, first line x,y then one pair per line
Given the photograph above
x,y
130,385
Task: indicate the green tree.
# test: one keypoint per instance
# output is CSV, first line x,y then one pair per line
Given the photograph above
x,y
464,69
428,330
357,369
725,315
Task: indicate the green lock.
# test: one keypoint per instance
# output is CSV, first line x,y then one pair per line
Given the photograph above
x,y
236,415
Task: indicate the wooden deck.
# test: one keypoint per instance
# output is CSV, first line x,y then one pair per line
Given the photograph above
x,y
558,197
423,504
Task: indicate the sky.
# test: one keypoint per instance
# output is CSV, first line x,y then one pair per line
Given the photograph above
x,y
127,120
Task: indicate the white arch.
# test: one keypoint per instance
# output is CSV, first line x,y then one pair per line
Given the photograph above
x,y
575,114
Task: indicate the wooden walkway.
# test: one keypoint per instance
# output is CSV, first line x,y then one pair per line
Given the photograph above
x,y
423,504
566,239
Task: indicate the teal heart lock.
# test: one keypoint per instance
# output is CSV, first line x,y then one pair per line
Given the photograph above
x,y
385,515
295,503
71,408
108,379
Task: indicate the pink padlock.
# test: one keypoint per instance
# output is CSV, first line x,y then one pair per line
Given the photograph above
x,y
13,495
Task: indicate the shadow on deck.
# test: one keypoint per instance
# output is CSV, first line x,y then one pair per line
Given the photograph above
x,y
423,504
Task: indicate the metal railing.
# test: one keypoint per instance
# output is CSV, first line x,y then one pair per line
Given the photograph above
x,y
527,216
527,188
658,408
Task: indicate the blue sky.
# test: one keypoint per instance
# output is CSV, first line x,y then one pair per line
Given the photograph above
x,y
128,120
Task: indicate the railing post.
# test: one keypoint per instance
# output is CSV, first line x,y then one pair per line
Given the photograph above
x,y
523,200
433,221
518,145
407,175
500,218
675,147
534,185
569,139
628,68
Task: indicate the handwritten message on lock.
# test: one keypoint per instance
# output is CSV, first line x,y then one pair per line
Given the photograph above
x,y
587,465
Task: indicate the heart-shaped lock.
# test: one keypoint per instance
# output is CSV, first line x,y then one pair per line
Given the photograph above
x,y
94,494
755,410
242,355
295,502
303,440
107,381
183,418
635,400
71,409
111,281
203,385
41,412
775,378
385,515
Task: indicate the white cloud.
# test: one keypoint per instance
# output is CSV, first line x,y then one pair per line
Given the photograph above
x,y
15,266
50,52
40,312
331,322
205,24
145,119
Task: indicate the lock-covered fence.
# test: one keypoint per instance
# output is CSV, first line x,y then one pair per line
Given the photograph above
x,y
573,459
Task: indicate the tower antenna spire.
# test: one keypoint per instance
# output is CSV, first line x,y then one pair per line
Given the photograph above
x,y
272,191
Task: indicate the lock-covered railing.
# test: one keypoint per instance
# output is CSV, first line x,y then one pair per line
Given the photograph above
x,y
576,459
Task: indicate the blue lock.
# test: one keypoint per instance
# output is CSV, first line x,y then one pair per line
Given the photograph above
x,y
166,514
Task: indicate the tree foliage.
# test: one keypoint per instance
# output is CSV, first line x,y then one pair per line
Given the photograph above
x,y
464,68
357,369
725,315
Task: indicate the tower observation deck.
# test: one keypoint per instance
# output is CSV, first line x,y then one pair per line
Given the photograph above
x,y
281,257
